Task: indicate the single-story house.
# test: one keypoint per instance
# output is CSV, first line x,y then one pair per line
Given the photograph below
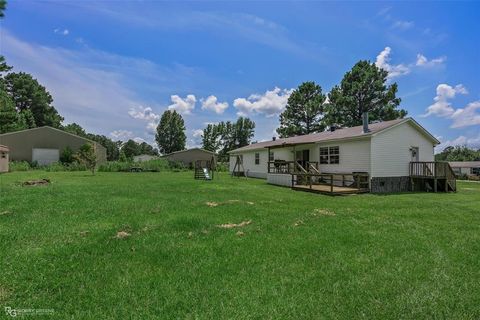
x,y
144,157
466,167
4,158
383,156
45,145
188,157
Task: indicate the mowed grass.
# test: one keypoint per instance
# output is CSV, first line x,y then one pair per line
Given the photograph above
x,y
401,256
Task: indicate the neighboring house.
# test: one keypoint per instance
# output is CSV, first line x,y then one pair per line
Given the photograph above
x,y
466,167
381,152
188,157
144,157
45,145
4,158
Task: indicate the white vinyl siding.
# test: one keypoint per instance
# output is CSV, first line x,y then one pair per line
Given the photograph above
x,y
354,156
252,169
391,154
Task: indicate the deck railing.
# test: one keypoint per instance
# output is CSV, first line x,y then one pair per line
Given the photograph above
x,y
430,169
434,170
289,167
332,182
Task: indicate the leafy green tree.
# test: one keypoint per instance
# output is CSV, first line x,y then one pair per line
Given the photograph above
x,y
145,148
28,95
87,156
363,89
304,111
226,136
131,149
3,6
76,129
10,120
4,67
458,153
170,135
113,147
122,157
212,137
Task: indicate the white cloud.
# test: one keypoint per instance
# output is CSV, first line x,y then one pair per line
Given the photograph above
x,y
152,128
139,140
422,61
197,133
183,106
383,60
121,134
143,113
403,25
441,107
212,104
270,103
471,142
468,116
63,32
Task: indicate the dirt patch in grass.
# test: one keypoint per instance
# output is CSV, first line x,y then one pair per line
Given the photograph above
x,y
211,204
240,233
122,235
216,204
4,213
40,182
323,212
84,233
235,225
4,293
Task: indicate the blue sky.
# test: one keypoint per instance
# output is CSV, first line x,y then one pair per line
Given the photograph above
x,y
114,67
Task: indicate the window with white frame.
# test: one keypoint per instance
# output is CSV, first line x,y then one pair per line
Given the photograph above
x,y
257,158
330,155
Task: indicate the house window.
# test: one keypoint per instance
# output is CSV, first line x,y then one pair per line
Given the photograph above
x,y
4,155
271,156
476,171
257,158
330,155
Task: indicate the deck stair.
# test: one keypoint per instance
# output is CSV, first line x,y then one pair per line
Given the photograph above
x,y
432,176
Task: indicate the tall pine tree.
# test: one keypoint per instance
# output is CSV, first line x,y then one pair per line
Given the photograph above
x,y
363,89
304,111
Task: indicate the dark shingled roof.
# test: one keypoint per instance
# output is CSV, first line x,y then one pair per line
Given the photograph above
x,y
339,134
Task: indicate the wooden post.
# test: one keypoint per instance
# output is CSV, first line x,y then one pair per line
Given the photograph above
x,y
358,181
434,184
331,183
343,180
310,182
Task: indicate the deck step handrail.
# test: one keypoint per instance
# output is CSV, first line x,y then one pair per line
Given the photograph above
x,y
288,167
436,170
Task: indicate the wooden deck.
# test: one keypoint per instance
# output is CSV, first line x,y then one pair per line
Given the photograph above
x,y
326,189
331,183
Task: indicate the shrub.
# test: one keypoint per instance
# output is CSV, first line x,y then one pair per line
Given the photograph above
x,y
67,156
115,166
54,167
156,165
19,166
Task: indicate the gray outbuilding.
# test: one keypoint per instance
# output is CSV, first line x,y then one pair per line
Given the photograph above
x,y
44,145
188,157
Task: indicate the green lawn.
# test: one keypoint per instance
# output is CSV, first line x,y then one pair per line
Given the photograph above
x,y
401,256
